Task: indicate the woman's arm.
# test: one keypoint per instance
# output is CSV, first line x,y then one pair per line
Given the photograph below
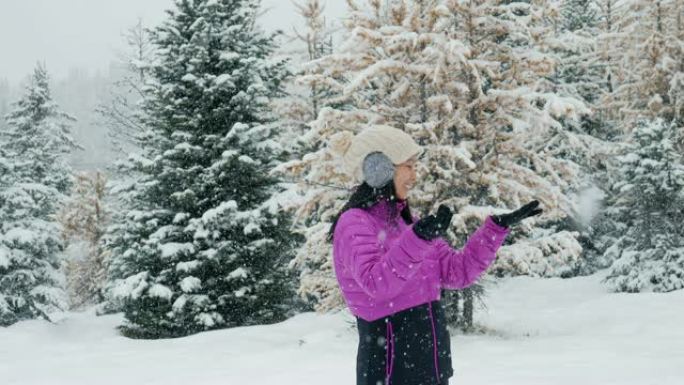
x,y
380,273
460,268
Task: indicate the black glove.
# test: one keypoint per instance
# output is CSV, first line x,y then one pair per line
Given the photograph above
x,y
507,220
433,226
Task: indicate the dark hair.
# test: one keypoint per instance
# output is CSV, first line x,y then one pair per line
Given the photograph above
x,y
364,196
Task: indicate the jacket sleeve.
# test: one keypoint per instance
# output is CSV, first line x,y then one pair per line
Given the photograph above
x,y
380,273
460,268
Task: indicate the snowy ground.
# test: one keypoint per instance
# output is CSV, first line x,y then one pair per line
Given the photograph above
x,y
541,332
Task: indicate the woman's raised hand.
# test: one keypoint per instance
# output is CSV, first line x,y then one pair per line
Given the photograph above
x,y
529,210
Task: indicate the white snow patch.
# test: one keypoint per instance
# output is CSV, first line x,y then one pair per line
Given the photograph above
x,y
4,257
190,284
131,287
228,56
173,249
160,291
189,78
540,332
241,292
187,266
212,214
20,235
251,227
223,79
247,159
240,272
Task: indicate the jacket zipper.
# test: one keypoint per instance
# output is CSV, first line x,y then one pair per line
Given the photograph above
x,y
389,346
434,341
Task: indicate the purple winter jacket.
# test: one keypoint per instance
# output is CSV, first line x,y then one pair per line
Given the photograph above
x,y
383,267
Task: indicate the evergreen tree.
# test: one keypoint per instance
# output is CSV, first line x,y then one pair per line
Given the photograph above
x,y
578,71
34,177
648,201
579,15
203,245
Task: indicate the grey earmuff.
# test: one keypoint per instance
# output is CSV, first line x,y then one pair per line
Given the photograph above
x,y
378,169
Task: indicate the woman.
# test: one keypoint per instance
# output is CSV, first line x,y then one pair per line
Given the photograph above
x,y
391,266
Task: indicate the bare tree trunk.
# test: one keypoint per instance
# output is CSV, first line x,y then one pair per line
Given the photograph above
x,y
452,307
467,310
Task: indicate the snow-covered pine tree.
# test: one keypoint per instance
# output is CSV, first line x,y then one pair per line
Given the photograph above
x,y
579,68
84,218
462,78
648,200
203,245
34,179
579,15
578,72
608,38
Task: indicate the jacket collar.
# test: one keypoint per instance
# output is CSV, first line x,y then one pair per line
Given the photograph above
x,y
381,208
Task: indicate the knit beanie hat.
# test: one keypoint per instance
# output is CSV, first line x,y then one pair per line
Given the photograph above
x,y
397,145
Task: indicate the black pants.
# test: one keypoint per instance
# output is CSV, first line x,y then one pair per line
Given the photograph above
x,y
411,347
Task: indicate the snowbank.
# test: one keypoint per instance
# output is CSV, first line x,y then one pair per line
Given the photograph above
x,y
542,331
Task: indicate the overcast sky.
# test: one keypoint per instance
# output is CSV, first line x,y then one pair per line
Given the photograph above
x,y
87,33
